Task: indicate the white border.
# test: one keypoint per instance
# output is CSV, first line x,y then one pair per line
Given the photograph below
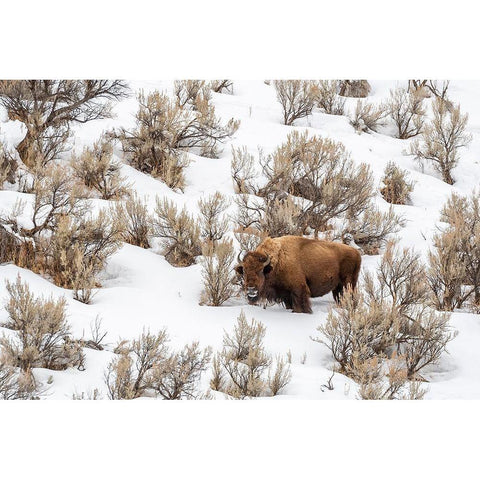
x,y
244,39
147,39
238,440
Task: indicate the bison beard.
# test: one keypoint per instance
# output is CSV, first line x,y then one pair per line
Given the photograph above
x,y
292,269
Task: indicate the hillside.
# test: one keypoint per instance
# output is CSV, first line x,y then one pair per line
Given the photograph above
x,y
141,290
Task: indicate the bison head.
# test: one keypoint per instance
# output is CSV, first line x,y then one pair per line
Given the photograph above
x,y
254,268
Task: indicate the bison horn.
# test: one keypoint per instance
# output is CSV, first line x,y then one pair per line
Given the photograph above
x,y
238,257
267,261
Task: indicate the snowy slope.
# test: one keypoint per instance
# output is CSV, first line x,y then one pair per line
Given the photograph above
x,y
141,290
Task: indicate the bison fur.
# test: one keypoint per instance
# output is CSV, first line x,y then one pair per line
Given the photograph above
x,y
292,269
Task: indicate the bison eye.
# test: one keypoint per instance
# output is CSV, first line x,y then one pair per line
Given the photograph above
x,y
239,269
267,269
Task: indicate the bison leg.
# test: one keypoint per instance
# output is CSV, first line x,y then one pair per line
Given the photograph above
x,y
301,300
352,279
287,301
337,293
349,281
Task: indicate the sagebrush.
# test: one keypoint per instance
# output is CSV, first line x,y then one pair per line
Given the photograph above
x,y
243,368
442,139
147,366
397,188
179,233
41,334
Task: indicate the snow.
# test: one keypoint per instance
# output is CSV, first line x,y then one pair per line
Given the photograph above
x,y
141,290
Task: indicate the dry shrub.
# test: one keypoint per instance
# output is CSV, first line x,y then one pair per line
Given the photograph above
x,y
147,366
371,229
454,273
428,337
179,233
271,216
65,244
83,277
354,88
396,187
463,216
310,181
437,88
282,216
248,239
178,375
407,112
8,385
13,247
399,282
320,171
446,272
419,87
241,368
473,306
153,147
217,274
119,378
423,333
126,375
190,92
133,215
455,209
442,138
217,382
280,377
46,146
76,251
42,334
387,322
243,170
356,331
222,86
97,335
165,129
213,222
297,98
378,381
399,279
57,195
97,169
14,384
90,395
48,107
43,146
8,166
8,244
367,117
204,130
327,99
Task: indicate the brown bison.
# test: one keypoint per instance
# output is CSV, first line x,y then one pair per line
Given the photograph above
x,y
292,269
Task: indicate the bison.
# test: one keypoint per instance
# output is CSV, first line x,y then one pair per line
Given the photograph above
x,y
292,269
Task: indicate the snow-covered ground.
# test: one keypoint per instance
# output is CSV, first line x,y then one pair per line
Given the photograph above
x,y
140,289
